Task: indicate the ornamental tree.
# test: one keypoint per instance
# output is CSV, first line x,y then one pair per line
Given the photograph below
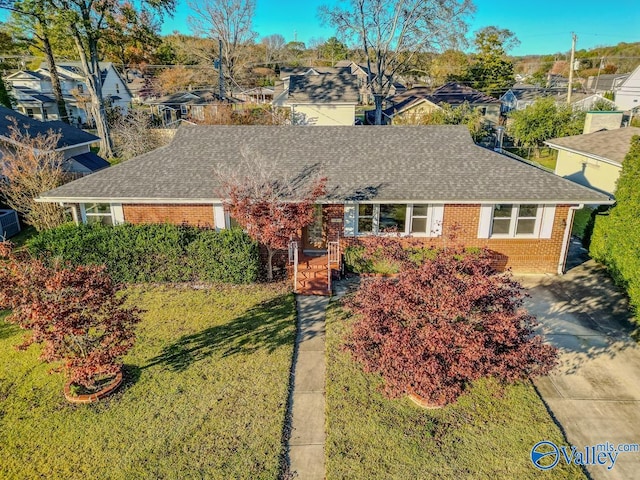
x,y
74,312
444,324
269,205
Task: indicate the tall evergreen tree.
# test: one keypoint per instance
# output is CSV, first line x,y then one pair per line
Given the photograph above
x,y
492,72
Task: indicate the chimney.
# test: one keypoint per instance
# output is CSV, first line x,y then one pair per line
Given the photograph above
x,y
595,121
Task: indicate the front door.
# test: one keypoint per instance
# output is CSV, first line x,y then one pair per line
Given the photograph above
x,y
313,234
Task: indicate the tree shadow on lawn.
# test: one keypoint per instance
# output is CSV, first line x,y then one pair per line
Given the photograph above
x,y
7,329
264,327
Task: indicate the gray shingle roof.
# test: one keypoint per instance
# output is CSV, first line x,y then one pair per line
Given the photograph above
x,y
328,88
398,163
70,135
610,144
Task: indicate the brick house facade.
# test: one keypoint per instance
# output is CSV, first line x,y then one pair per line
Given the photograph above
x,y
427,182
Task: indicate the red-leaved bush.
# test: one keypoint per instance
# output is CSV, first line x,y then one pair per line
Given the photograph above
x,y
443,324
74,312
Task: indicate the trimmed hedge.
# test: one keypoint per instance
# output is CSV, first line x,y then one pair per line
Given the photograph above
x,y
154,253
615,241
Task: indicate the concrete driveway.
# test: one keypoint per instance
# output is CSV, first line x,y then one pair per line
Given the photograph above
x,y
594,393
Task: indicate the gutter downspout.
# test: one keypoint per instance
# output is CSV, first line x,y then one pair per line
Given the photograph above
x,y
565,239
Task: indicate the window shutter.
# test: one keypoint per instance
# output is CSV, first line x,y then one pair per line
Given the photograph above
x,y
546,225
484,225
350,220
117,213
219,217
437,216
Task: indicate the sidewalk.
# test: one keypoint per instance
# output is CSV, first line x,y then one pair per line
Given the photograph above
x,y
306,442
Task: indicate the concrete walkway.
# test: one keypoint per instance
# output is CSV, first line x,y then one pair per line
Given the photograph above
x,y
594,393
307,437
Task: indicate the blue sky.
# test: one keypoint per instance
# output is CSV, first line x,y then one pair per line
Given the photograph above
x,y
543,26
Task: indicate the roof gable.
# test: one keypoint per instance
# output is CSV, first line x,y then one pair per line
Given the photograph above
x,y
394,164
71,136
456,94
612,145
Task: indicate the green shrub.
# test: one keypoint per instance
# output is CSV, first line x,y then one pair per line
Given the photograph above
x,y
354,261
228,256
616,237
153,253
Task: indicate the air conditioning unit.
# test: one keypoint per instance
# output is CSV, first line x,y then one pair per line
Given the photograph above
x,y
9,224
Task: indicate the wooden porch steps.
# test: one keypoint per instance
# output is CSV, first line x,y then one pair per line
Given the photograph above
x,y
313,276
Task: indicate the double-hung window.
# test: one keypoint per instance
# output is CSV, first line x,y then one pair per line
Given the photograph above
x,y
419,219
515,220
365,218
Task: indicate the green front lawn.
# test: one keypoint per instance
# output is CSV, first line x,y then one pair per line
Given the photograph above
x,y
488,433
205,394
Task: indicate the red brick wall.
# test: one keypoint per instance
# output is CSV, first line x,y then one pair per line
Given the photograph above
x,y
532,255
521,255
195,215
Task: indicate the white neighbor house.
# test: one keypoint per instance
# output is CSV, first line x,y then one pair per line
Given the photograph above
x,y
628,95
34,97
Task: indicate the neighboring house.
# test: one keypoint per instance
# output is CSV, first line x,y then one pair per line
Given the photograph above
x,y
418,101
191,105
428,182
605,83
74,144
627,97
34,97
362,73
323,99
520,97
286,72
258,95
594,159
586,102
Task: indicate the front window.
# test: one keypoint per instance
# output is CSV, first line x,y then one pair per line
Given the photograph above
x,y
98,213
405,219
365,218
419,216
515,220
392,218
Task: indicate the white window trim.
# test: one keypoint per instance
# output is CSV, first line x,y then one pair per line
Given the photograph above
x,y
433,221
115,213
513,223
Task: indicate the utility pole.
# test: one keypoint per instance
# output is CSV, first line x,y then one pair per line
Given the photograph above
x,y
220,73
574,38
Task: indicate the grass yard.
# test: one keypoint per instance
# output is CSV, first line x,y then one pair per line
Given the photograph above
x,y
488,433
205,394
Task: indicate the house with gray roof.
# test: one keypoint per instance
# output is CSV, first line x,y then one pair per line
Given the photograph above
x,y
427,182
319,99
418,101
33,91
74,144
594,159
191,105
